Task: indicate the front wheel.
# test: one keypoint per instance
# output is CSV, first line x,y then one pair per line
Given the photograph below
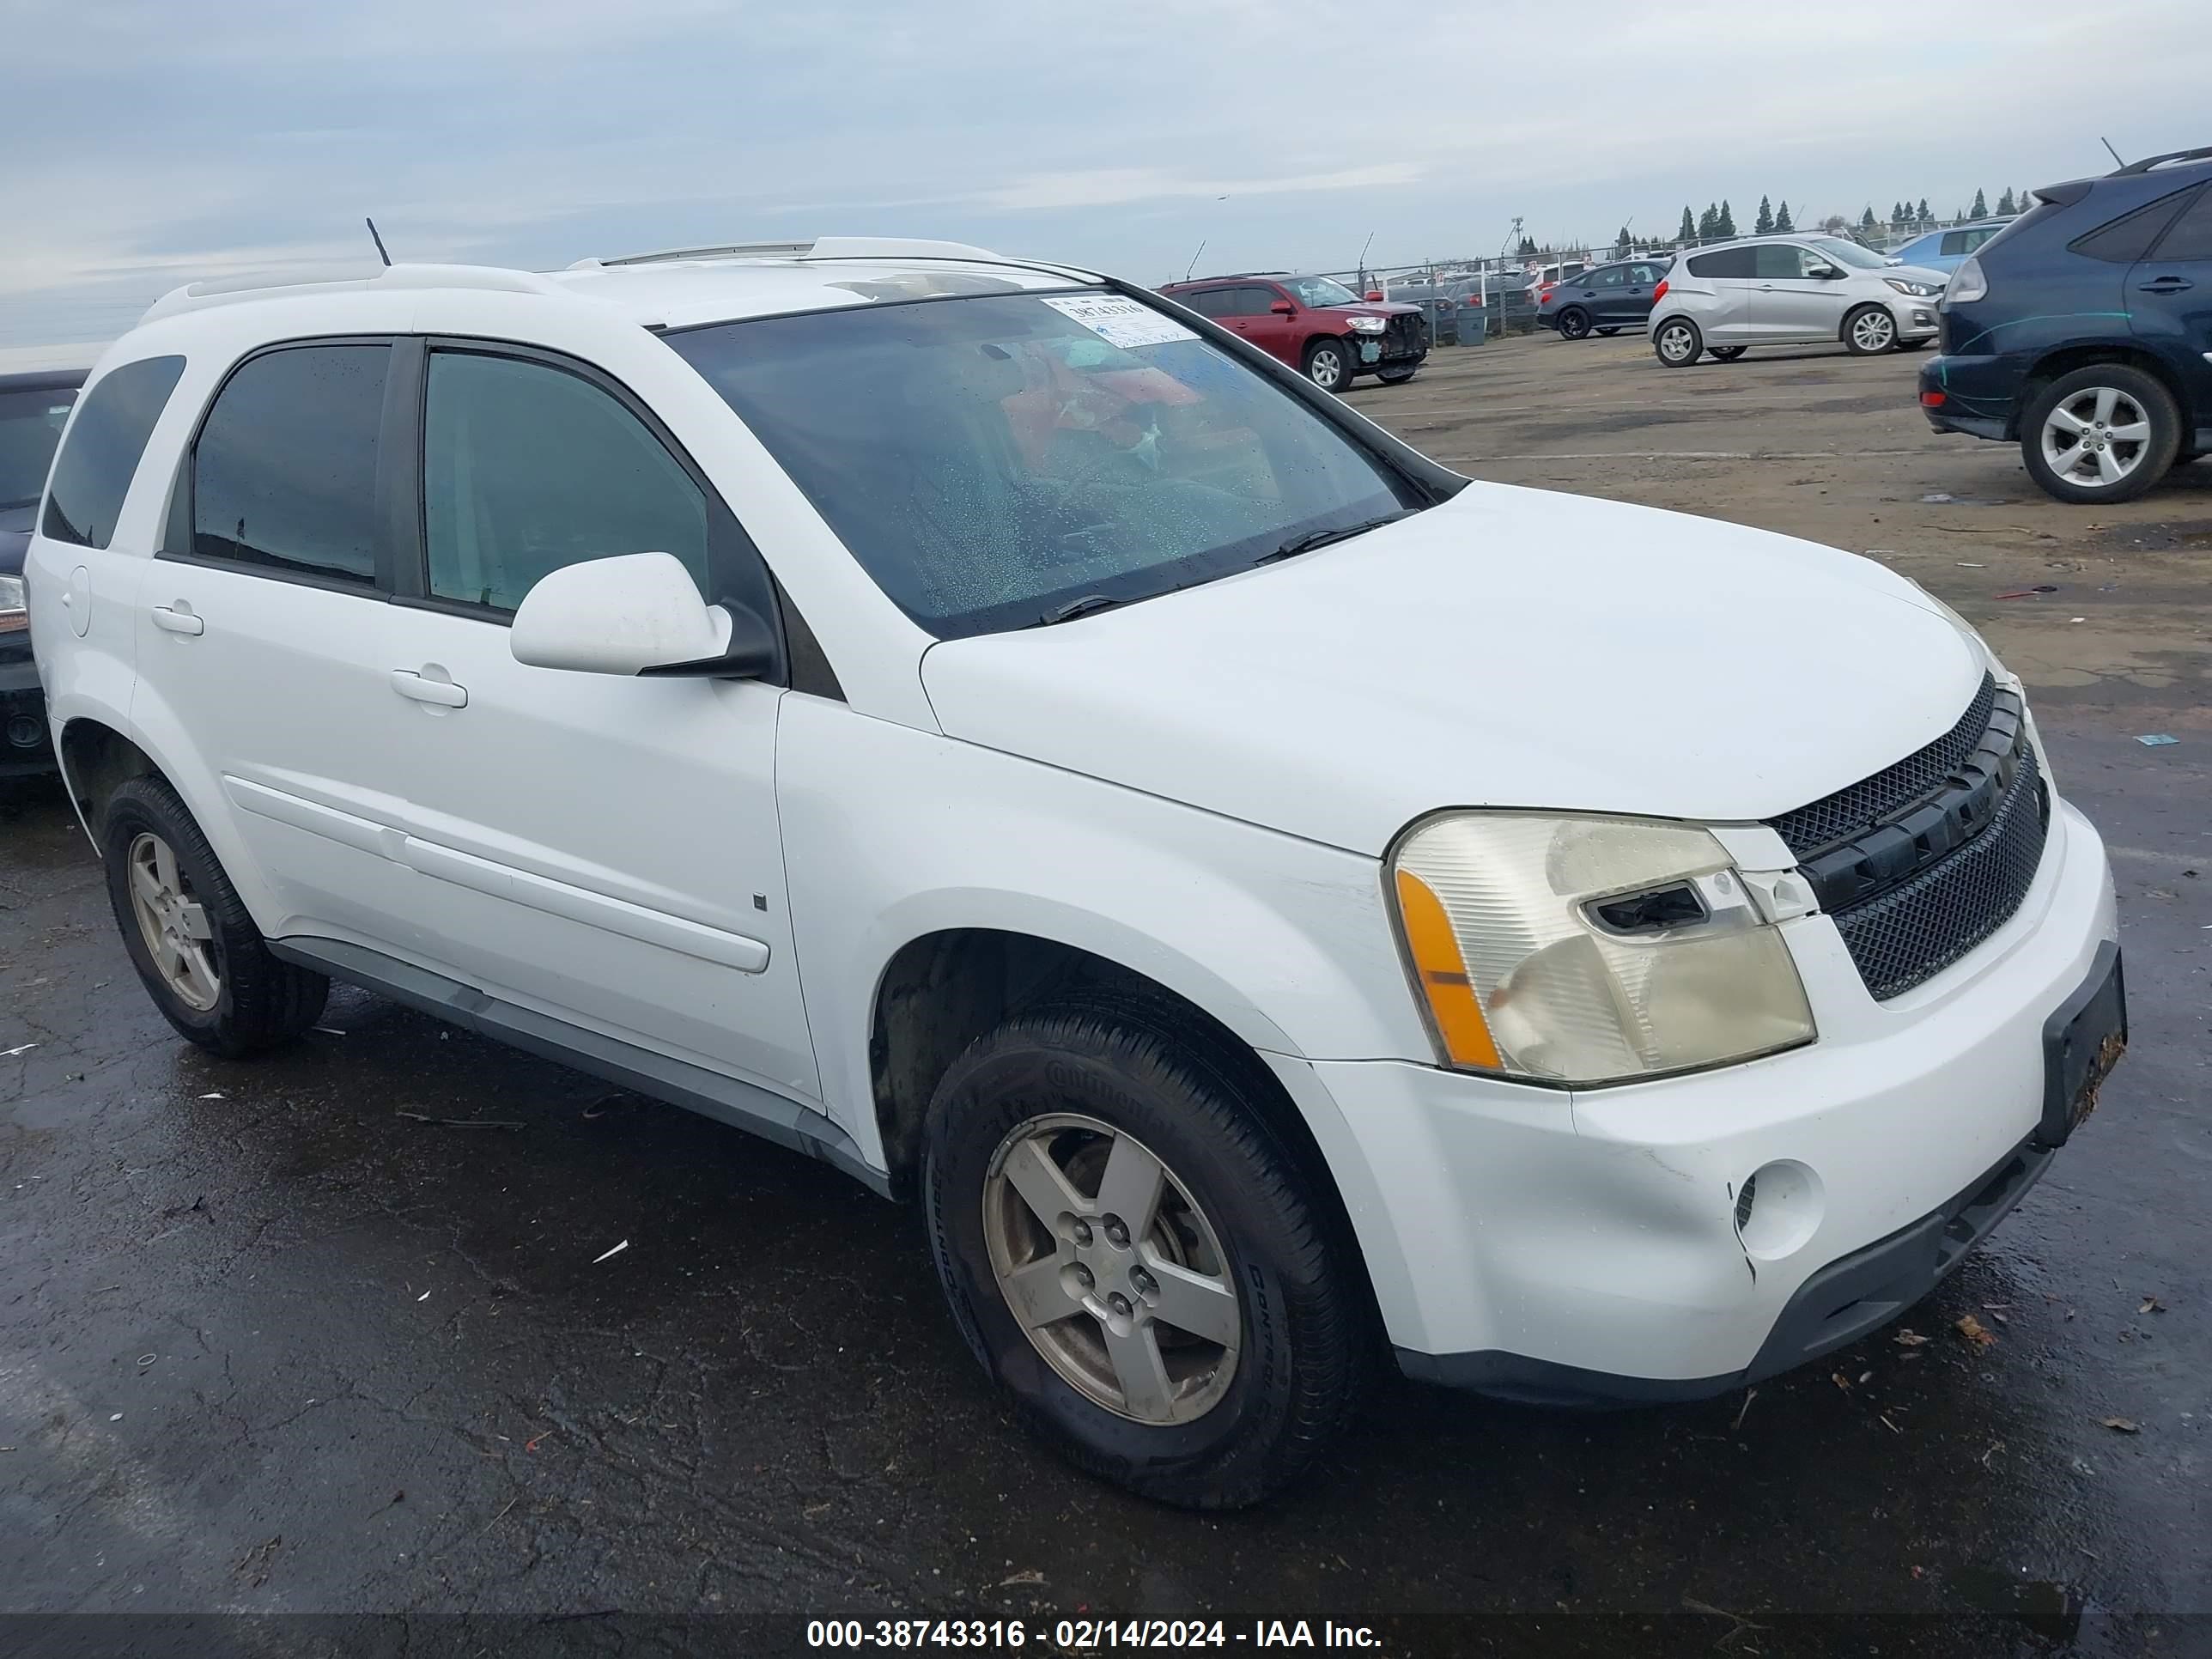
x,y
2105,433
1869,331
1329,365
1609,332
1574,323
1678,343
1131,1252
1915,345
188,934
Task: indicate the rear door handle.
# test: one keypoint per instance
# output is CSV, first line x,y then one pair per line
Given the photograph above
x,y
2166,285
410,683
179,619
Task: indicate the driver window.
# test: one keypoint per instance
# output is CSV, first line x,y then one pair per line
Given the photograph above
x,y
527,468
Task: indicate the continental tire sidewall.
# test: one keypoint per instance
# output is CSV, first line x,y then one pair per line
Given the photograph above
x,y
1078,1065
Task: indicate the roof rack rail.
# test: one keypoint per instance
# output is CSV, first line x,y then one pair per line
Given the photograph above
x,y
201,296
821,247
2150,162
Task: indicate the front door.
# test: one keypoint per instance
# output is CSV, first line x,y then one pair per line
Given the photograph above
x,y
1633,301
1788,301
1271,320
603,848
2169,299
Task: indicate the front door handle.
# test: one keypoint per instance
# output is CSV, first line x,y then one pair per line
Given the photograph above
x,y
2166,285
409,683
179,619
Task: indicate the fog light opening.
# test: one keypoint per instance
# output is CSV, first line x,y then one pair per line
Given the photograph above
x,y
23,731
1778,1209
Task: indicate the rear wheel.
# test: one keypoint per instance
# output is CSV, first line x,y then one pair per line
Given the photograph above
x,y
1396,376
1574,323
1869,331
188,934
1729,354
1678,343
1129,1250
1329,365
2105,433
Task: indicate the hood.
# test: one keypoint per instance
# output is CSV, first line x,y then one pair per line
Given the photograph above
x,y
1916,274
1372,308
1512,647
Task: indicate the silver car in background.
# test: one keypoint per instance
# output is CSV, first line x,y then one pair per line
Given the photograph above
x,y
1791,291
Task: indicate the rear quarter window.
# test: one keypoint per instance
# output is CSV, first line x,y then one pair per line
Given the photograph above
x,y
101,451
2128,237
1726,262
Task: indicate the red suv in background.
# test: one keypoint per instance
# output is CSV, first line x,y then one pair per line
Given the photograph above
x,y
1315,324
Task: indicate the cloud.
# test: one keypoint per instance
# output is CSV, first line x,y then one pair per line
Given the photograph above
x,y
151,144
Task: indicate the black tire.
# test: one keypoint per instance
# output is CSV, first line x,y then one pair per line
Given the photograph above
x,y
2146,466
261,1002
1687,342
1729,354
1324,352
1868,330
1397,376
1609,332
1573,323
1915,345
1305,1321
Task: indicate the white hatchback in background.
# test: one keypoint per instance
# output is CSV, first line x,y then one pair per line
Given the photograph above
x,y
982,725
1791,291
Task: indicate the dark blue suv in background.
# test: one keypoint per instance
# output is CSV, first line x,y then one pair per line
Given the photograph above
x,y
2083,331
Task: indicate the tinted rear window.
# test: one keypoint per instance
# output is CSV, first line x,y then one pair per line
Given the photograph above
x,y
2191,236
284,473
93,473
1728,262
2127,239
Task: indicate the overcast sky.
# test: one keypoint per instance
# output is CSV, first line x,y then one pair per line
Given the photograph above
x,y
151,143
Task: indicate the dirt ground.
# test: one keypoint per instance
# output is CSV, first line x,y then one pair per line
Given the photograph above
x,y
271,1348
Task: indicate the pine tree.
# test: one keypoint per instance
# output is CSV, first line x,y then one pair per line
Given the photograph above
x,y
1527,248
1764,225
1782,225
1924,218
1622,242
1726,224
2004,203
1981,205
1709,222
1866,219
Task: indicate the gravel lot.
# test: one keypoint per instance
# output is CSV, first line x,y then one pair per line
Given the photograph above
x,y
267,1347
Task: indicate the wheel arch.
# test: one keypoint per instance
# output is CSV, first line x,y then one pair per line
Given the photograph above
x,y
943,990
96,759
2064,360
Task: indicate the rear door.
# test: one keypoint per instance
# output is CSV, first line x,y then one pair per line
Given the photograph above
x,y
2169,299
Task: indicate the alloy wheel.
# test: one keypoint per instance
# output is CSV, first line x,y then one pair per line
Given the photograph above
x,y
1873,329
173,924
1111,1268
2096,438
1675,343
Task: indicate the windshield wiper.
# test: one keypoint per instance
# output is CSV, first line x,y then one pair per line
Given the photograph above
x,y
1074,608
1314,538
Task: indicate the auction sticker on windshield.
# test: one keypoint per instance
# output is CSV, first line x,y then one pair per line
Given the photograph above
x,y
1121,322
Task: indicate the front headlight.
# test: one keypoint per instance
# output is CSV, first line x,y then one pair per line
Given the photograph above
x,y
14,616
1583,951
1368,325
1917,290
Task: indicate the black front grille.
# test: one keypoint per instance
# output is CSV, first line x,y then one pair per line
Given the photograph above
x,y
1852,811
1915,930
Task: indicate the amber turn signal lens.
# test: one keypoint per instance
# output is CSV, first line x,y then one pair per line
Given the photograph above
x,y
1443,975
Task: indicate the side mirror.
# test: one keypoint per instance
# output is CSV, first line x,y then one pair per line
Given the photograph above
x,y
1827,273
1893,261
1284,308
636,614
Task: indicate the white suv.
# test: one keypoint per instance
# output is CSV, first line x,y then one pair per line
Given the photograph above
x,y
980,723
1791,291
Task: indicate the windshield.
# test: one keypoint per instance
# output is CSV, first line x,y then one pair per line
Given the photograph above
x,y
1320,291
30,425
991,460
1850,254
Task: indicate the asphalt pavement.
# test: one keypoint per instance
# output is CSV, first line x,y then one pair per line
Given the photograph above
x,y
401,1327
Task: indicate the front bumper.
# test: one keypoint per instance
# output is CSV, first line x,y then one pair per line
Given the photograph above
x,y
1585,1245
26,746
